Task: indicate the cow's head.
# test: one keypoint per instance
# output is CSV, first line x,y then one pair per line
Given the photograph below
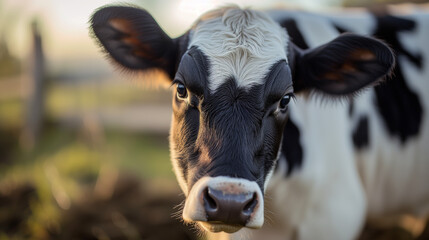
x,y
234,74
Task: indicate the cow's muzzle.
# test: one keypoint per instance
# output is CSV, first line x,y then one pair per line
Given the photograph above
x,y
225,204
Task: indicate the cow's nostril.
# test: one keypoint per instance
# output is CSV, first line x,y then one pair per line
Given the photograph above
x,y
229,208
209,203
250,206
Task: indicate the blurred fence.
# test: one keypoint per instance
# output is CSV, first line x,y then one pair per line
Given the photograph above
x,y
60,129
36,97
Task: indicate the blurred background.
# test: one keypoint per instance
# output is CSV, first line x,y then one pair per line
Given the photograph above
x,y
83,149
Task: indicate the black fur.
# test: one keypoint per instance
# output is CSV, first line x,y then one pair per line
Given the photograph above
x,y
328,59
291,147
351,108
398,105
294,33
135,41
338,68
340,29
361,134
193,73
231,132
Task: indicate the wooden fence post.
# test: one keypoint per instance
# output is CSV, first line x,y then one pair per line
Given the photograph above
x,y
36,95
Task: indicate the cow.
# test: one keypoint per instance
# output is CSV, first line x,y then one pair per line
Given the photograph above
x,y
288,114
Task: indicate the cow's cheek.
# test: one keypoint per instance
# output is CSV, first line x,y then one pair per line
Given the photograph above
x,y
177,166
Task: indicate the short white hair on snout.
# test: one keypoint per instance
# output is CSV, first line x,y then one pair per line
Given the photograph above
x,y
239,43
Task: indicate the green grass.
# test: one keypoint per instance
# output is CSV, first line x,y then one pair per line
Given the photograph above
x,y
11,112
146,156
73,150
66,163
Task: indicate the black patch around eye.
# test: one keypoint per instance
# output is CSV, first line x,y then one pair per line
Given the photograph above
x,y
193,71
278,81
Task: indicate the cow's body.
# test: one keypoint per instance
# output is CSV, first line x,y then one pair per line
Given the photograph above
x,y
349,147
339,163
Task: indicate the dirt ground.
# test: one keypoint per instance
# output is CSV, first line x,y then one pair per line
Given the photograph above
x,y
131,209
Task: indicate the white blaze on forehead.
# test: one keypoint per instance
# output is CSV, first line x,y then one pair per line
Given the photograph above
x,y
243,44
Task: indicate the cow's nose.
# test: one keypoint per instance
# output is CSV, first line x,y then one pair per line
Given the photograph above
x,y
229,208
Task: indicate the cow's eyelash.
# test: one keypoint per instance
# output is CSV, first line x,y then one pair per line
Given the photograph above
x,y
291,94
176,81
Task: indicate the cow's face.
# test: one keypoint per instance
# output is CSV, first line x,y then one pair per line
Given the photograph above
x,y
232,90
234,74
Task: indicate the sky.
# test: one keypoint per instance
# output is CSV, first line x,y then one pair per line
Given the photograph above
x,y
64,23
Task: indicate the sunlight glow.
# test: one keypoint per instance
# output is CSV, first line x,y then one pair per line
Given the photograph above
x,y
188,11
64,24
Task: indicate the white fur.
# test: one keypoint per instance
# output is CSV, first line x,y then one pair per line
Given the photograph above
x,y
325,199
357,21
243,44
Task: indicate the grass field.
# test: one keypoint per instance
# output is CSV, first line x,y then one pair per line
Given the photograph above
x,y
78,180
67,164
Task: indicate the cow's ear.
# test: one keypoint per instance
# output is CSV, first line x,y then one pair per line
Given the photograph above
x,y
342,66
133,39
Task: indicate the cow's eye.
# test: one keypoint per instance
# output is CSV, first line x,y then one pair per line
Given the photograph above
x,y
181,91
285,101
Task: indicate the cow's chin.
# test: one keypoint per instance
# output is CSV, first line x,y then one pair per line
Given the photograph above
x,y
219,227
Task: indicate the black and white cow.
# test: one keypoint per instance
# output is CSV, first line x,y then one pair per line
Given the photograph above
x,y
238,137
